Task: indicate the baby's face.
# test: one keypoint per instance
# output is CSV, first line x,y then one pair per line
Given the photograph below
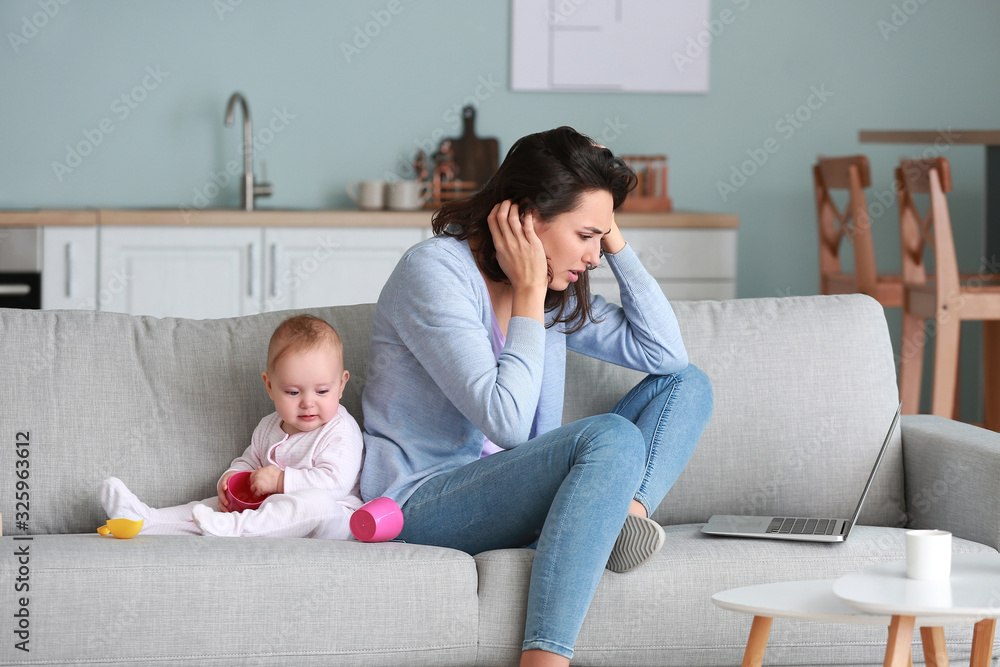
x,y
306,388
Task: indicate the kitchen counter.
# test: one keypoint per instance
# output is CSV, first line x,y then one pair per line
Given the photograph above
x,y
166,217
158,261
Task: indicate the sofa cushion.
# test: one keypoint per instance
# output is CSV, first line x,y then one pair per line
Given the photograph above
x,y
163,404
661,614
242,602
805,389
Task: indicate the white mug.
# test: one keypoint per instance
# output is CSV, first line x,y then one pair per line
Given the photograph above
x,y
369,195
406,195
928,554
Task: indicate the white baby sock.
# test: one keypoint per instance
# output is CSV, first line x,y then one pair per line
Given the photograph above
x,y
217,524
120,503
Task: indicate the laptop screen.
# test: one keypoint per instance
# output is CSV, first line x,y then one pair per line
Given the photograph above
x,y
871,476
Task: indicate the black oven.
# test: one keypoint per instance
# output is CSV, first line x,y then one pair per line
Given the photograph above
x,y
21,290
20,268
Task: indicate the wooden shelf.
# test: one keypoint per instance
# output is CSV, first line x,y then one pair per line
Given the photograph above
x,y
948,135
264,218
48,217
169,217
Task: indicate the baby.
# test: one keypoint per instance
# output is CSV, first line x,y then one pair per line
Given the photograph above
x,y
307,453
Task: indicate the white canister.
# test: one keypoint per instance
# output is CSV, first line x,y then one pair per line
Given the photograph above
x,y
928,554
369,195
406,195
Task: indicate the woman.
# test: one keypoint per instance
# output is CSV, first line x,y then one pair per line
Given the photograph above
x,y
468,356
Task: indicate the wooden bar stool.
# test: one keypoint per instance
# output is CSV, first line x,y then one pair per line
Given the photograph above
x,y
945,297
850,173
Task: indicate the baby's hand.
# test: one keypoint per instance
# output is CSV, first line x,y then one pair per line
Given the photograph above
x,y
223,500
266,480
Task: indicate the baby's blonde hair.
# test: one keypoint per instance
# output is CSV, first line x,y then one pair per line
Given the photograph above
x,y
299,333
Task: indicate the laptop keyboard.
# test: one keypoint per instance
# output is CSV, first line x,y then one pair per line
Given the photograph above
x,y
795,526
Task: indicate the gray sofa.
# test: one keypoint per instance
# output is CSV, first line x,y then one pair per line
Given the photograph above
x,y
804,391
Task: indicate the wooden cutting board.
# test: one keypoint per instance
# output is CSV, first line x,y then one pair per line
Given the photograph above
x,y
476,158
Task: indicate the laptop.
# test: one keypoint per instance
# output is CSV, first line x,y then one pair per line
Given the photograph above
x,y
803,529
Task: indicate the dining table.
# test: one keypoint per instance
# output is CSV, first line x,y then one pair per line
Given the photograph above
x,y
941,140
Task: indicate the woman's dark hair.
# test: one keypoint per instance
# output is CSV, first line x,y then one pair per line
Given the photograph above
x,y
547,173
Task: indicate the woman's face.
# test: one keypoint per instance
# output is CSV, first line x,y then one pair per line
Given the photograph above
x,y
572,240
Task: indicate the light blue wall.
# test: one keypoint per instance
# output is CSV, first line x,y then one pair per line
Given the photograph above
x,y
359,119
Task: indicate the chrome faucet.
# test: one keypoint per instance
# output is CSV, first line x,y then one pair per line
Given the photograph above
x,y
249,190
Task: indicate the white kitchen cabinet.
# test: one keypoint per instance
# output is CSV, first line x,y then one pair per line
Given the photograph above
x,y
687,263
331,266
199,273
158,266
69,268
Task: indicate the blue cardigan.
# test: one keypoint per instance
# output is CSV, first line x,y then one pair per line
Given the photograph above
x,y
435,388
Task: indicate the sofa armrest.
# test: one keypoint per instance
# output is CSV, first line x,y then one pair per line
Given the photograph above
x,y
952,473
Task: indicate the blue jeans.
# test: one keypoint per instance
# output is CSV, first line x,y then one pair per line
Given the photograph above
x,y
569,490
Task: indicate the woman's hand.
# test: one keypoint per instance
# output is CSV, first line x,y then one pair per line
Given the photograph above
x,y
521,257
614,241
221,488
519,251
266,480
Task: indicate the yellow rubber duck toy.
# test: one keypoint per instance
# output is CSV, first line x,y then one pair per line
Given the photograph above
x,y
123,529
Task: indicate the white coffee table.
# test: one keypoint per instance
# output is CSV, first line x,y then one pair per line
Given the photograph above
x,y
811,601
972,593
